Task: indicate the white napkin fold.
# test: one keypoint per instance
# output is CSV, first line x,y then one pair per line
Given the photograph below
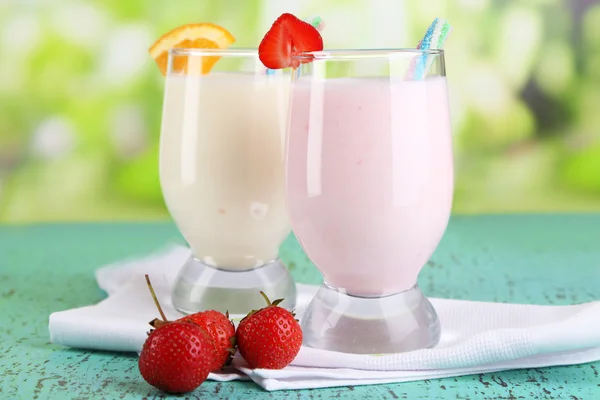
x,y
477,337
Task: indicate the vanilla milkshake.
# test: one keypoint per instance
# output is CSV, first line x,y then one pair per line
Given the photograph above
x,y
221,165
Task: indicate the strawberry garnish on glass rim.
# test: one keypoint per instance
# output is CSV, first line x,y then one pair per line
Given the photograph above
x,y
288,37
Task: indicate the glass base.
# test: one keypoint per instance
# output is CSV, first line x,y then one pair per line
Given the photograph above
x,y
397,323
202,287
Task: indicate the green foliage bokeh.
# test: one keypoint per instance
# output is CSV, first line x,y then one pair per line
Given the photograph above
x,y
80,99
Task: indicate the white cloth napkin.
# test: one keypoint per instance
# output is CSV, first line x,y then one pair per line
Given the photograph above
x,y
477,337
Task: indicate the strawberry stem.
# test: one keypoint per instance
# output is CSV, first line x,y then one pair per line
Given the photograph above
x,y
265,297
269,303
162,314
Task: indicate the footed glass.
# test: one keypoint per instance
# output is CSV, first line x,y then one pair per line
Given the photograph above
x,y
222,178
369,189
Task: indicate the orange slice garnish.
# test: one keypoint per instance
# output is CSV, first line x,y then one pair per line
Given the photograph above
x,y
196,36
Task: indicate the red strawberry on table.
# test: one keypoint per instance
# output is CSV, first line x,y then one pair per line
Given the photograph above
x,y
288,36
220,329
270,337
177,356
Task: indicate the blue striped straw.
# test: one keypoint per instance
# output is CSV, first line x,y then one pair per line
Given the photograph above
x,y
434,38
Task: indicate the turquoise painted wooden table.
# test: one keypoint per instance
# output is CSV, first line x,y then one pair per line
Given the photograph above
x,y
542,259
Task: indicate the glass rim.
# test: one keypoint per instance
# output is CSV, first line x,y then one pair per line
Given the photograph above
x,y
365,53
313,55
234,52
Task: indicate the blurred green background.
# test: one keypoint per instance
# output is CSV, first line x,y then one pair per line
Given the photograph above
x,y
80,98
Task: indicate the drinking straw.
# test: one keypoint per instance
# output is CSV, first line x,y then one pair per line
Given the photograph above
x,y
434,38
317,22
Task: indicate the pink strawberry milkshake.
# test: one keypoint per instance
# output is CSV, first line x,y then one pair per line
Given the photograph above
x,y
369,178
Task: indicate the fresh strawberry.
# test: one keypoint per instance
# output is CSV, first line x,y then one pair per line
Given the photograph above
x,y
270,337
288,36
177,357
220,329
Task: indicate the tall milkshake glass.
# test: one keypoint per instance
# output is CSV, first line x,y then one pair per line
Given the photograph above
x,y
369,189
222,178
